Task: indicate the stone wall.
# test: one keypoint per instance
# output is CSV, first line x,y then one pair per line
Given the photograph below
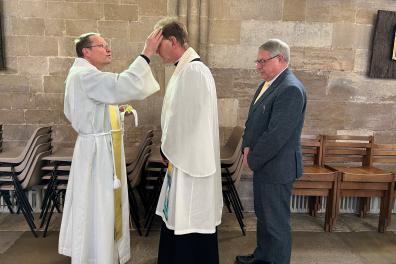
x,y
330,44
330,52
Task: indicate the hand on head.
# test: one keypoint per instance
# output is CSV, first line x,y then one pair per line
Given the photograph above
x,y
152,43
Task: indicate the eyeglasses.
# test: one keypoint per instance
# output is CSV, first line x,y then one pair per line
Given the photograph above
x,y
106,47
264,61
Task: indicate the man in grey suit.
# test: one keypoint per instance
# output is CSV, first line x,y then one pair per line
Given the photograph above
x,y
271,148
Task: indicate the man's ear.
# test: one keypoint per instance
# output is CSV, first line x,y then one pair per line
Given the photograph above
x,y
173,40
85,52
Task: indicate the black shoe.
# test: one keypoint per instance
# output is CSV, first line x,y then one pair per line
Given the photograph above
x,y
249,259
243,259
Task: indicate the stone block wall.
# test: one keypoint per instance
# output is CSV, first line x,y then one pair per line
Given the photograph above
x,y
330,52
330,44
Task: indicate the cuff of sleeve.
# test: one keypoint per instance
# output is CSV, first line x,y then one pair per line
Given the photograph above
x,y
145,58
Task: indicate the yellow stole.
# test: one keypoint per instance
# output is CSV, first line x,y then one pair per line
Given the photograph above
x,y
116,135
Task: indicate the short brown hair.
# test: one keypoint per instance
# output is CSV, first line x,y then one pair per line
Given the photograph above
x,y
172,27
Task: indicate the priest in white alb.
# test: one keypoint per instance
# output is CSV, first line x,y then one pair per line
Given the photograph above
x,y
190,202
95,221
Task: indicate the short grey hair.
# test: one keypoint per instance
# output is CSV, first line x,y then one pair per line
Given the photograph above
x,y
83,41
275,47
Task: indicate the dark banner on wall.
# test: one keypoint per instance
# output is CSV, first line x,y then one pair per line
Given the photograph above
x,y
383,60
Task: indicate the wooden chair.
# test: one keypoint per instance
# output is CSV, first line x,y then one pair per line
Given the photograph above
x,y
352,157
385,158
317,181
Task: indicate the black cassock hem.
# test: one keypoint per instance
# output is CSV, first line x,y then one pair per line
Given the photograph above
x,y
192,248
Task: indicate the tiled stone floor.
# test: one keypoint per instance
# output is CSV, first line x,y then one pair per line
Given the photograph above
x,y
355,241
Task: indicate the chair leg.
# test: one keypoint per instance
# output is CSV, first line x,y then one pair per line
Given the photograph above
x,y
151,215
133,209
54,200
44,212
27,214
236,195
47,195
382,215
314,203
364,204
237,215
7,200
227,202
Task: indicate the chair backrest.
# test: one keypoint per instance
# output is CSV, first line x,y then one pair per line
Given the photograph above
x,y
236,176
384,156
45,147
146,145
34,173
231,149
311,147
234,166
351,150
149,135
135,176
38,132
38,141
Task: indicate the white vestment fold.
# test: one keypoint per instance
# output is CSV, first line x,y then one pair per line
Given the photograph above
x,y
87,229
190,141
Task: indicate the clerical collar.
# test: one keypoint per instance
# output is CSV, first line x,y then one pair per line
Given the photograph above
x,y
196,59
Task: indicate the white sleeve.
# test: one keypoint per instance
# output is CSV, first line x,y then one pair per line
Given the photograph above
x,y
135,83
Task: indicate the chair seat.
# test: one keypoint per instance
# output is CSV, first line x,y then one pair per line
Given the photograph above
x,y
58,168
365,174
318,173
10,154
62,154
59,177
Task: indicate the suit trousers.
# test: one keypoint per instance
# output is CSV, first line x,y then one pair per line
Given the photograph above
x,y
272,208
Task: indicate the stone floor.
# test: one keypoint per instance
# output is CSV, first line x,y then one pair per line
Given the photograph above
x,y
355,241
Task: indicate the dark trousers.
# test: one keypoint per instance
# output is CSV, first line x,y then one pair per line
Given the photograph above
x,y
192,248
272,208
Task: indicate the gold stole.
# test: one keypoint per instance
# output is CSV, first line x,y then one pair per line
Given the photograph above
x,y
116,136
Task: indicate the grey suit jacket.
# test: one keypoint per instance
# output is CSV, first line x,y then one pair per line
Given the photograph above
x,y
273,130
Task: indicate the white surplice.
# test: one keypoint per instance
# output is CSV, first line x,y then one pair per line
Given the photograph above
x,y
87,229
190,141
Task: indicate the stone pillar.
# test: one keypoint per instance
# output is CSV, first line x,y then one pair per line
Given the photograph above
x,y
182,11
193,23
195,15
204,29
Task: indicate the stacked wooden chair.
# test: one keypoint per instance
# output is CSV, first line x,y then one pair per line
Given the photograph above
x,y
317,181
385,158
20,170
231,168
352,156
137,158
55,175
